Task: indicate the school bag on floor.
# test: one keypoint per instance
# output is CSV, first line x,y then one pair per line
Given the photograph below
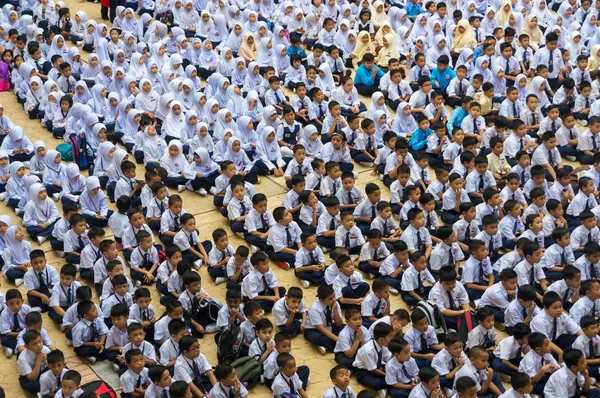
x,y
434,316
100,388
248,369
466,322
229,343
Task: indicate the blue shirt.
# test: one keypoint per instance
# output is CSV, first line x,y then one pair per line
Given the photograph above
x,y
413,9
477,53
291,50
442,77
363,75
455,119
418,140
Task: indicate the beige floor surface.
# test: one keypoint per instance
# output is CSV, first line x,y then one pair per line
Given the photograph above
x,y
207,219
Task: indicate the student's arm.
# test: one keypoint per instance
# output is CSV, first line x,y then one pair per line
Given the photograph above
x,y
550,170
422,356
475,286
35,371
351,352
510,365
344,300
459,365
303,393
195,391
45,299
486,384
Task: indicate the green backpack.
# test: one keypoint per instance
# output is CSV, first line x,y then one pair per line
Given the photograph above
x,y
66,153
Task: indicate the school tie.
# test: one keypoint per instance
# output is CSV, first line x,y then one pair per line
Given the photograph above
x,y
161,206
138,383
553,126
507,70
243,208
350,200
524,312
95,334
423,175
328,316
41,281
373,215
481,183
426,99
196,370
532,277
144,315
563,258
451,301
80,241
347,240
165,394
533,119
419,282
592,271
475,129
554,329
59,384
321,111
177,225
424,345
450,258
377,308
265,283
490,63
299,169
419,240
587,102
476,31
313,260
565,297
591,349
69,296
481,271
550,158
491,245
525,57
594,309
460,89
16,324
550,65
523,177
379,359
332,224
405,372
515,113
468,233
191,240
195,304
514,231
428,222
594,144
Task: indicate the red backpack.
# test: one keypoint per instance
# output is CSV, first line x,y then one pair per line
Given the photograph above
x,y
100,388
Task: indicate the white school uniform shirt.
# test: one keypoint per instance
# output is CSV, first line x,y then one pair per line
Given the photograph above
x,y
61,227
468,370
397,191
366,357
529,186
26,361
508,348
231,268
588,270
549,224
355,235
116,337
169,351
496,240
373,306
71,241
509,226
524,272
316,315
221,391
48,381
386,227
113,300
129,233
532,236
43,334
556,191
130,379
89,255
161,328
303,257
146,348
283,384
563,135
406,207
278,236
452,151
418,173
581,236
347,337
413,337
580,203
480,336
397,372
234,209
138,257
390,264
541,156
592,173
224,315
184,366
532,362
562,289
543,323
409,236
186,299
411,276
440,297
156,208
254,221
586,141
369,253
175,283
124,186
515,313
254,283
324,223
474,178
442,361
484,209
139,315
342,281
49,277
64,296
170,221
496,296
553,256
107,288
512,144
472,270
460,229
335,392
582,343
563,383
584,306
344,196
313,182
281,311
306,212
437,189
165,269
580,102
523,173
366,208
117,223
420,392
82,331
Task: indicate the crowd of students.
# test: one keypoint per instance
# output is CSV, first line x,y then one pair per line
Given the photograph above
x,y
491,101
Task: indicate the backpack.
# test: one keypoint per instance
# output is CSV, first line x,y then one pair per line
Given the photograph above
x,y
66,153
167,18
79,150
100,388
434,316
248,369
229,343
466,323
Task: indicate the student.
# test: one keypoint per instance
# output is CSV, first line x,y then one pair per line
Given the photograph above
x,y
201,379
476,269
290,313
450,359
116,338
479,179
261,284
430,384
422,339
288,379
586,305
50,382
31,361
372,357
160,381
376,304
416,236
340,377
228,383
587,343
353,336
401,371
258,222
284,237
324,320
63,293
197,303
488,382
89,341
445,253
498,297
135,380
484,334
373,254
413,279
450,296
559,384
39,280
310,262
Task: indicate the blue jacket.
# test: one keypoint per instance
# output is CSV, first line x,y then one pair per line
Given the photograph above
x,y
363,75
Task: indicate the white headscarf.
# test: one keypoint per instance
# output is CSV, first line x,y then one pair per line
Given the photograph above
x,y
177,163
19,252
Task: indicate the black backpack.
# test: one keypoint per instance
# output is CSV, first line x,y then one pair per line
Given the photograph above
x,y
466,322
167,18
100,388
229,343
